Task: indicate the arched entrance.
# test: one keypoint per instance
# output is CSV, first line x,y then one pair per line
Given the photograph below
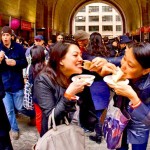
x,y
108,2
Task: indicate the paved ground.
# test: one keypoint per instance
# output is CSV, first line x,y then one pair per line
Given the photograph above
x,y
29,136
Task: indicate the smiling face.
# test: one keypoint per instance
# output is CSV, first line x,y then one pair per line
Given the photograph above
x,y
72,61
130,66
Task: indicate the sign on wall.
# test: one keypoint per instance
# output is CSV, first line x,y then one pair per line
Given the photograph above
x,y
25,25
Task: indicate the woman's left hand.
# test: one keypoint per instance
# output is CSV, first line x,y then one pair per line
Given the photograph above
x,y
124,90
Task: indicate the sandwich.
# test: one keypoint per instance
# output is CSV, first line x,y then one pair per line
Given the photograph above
x,y
87,64
118,75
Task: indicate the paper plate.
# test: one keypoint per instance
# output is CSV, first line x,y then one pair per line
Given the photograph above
x,y
84,77
108,79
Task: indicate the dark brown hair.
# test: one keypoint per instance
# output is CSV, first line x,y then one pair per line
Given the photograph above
x,y
96,46
141,52
38,59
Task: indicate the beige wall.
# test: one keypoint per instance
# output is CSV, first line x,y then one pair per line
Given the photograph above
x,y
57,14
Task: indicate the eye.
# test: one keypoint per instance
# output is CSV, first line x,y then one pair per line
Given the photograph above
x,y
75,55
130,65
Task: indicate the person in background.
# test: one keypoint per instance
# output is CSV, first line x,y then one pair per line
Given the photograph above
x,y
124,40
59,38
82,38
38,40
37,64
115,47
12,77
135,97
99,89
49,44
5,142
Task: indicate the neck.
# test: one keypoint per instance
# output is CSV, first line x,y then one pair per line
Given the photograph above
x,y
7,45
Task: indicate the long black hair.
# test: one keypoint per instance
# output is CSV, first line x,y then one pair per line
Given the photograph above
x,y
96,46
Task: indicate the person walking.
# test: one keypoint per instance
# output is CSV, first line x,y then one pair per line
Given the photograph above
x,y
12,77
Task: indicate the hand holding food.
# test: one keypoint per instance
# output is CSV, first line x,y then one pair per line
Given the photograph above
x,y
10,62
117,75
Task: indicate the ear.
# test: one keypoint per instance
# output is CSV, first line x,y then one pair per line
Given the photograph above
x,y
146,71
61,62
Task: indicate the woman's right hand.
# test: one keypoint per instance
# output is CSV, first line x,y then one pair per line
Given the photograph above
x,y
76,87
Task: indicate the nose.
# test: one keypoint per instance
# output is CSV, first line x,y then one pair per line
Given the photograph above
x,y
80,58
123,66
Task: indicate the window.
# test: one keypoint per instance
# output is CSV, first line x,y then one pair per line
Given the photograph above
x,y
82,9
118,28
80,19
93,8
106,9
93,28
118,18
107,28
93,18
80,28
107,18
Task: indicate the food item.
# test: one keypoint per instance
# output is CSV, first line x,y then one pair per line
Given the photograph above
x,y
117,75
87,64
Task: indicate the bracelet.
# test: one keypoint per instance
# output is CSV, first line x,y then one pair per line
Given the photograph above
x,y
136,105
70,97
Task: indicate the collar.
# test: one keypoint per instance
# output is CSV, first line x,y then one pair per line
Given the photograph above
x,y
143,82
11,46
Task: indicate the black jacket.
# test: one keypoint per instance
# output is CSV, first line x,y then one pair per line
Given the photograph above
x,y
51,95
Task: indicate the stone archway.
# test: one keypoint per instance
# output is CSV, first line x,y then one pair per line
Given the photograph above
x,y
65,10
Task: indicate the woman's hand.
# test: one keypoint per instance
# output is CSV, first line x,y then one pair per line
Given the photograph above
x,y
76,87
107,69
126,91
97,64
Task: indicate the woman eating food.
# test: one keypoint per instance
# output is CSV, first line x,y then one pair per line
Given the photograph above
x,y
135,97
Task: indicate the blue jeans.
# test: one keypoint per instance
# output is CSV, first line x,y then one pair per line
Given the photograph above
x,y
12,101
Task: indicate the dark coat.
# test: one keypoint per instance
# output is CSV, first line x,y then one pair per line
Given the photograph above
x,y
139,125
4,123
12,76
51,95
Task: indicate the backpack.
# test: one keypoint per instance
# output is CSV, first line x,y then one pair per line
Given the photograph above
x,y
62,137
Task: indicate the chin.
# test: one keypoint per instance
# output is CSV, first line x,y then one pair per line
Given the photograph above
x,y
79,71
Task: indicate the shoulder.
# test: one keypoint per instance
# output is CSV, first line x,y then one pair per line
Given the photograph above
x,y
44,79
17,45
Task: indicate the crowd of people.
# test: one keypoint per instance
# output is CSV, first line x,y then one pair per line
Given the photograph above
x,y
51,67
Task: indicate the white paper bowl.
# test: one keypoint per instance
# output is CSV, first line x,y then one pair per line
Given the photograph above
x,y
108,79
84,77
